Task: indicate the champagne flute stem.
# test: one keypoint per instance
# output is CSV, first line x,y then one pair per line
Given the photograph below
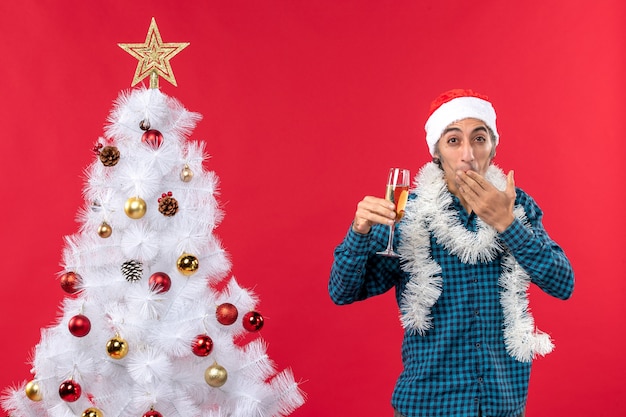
x,y
391,232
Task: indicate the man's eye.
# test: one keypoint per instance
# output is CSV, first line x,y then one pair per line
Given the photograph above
x,y
480,139
452,140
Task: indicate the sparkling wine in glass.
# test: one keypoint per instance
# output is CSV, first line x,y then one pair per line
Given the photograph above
x,y
398,193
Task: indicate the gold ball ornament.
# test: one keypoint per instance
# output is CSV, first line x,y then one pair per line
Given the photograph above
x,y
187,264
117,348
135,208
104,230
33,391
186,174
92,412
215,375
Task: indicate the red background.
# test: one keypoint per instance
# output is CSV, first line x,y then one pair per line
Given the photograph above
x,y
306,104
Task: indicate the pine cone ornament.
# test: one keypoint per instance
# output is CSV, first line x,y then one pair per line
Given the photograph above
x,y
109,156
132,270
168,206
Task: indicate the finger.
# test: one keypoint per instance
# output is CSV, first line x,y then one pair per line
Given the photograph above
x,y
379,201
510,183
365,222
478,179
378,205
468,185
376,210
510,180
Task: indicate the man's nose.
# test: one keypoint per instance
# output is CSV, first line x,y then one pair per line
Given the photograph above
x,y
467,151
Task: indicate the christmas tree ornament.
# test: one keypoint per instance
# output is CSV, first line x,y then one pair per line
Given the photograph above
x,y
33,391
187,264
97,148
109,156
153,138
70,390
160,282
154,57
186,174
92,412
69,282
117,347
79,325
202,345
168,205
144,125
132,270
135,208
215,375
104,230
226,314
152,413
252,321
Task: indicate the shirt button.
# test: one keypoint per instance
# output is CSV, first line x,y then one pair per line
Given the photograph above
x,y
478,345
476,313
480,379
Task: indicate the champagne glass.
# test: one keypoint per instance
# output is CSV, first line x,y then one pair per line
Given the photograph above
x,y
398,193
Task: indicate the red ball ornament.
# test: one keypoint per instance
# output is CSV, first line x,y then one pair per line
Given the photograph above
x,y
202,345
79,325
226,314
152,413
253,321
70,391
69,282
152,137
160,282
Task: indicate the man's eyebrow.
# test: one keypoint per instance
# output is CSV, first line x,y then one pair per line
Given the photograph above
x,y
456,129
451,129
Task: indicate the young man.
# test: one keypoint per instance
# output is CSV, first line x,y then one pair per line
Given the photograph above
x,y
470,244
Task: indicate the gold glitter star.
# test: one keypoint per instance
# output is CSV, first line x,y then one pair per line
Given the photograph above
x,y
154,57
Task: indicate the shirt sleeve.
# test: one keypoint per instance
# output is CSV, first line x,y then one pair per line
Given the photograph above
x,y
358,272
542,258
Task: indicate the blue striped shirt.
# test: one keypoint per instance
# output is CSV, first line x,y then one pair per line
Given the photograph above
x,y
461,363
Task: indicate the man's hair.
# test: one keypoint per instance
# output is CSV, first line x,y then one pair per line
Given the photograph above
x,y
492,136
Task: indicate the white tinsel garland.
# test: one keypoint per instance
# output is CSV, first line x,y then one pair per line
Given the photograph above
x,y
429,214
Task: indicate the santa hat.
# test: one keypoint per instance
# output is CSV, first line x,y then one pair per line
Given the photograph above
x,y
455,105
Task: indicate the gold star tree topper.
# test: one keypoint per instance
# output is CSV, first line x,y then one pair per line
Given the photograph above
x,y
154,57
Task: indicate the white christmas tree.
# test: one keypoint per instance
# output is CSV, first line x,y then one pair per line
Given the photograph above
x,y
151,326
